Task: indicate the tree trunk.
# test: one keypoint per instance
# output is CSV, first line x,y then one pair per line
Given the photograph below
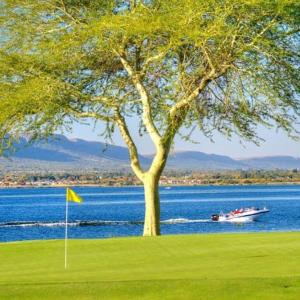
x,y
152,206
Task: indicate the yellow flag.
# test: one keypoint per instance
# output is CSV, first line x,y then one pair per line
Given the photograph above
x,y
72,196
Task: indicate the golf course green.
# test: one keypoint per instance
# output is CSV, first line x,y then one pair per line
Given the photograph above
x,y
206,266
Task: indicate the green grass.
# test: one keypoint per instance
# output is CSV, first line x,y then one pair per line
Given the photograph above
x,y
213,266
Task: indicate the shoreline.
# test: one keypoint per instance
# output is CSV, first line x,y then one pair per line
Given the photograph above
x,y
140,185
228,233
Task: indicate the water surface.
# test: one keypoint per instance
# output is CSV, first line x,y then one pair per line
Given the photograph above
x,y
38,213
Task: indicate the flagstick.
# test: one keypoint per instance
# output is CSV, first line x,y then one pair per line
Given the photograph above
x,y
66,232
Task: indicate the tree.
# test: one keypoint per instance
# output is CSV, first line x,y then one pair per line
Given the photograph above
x,y
225,65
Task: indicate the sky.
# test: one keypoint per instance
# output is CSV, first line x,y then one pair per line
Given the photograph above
x,y
276,143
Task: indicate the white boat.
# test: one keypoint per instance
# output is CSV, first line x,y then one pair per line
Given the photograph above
x,y
240,215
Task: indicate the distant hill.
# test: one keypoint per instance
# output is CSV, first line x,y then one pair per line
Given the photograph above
x,y
272,162
194,160
60,153
60,148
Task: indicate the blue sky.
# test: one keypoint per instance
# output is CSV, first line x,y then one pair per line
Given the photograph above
x,y
276,143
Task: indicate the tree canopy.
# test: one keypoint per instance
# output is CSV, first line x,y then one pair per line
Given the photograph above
x,y
226,65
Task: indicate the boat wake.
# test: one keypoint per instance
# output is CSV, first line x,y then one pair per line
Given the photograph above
x,y
93,223
71,223
184,221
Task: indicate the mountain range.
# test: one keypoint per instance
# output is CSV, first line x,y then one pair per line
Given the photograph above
x,y
61,153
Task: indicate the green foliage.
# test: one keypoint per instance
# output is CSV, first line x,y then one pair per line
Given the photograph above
x,y
227,65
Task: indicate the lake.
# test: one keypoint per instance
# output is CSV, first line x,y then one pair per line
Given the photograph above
x,y
38,213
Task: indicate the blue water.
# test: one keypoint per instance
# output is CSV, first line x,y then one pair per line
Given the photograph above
x,y
38,213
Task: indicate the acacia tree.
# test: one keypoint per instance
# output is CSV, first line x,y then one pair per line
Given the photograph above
x,y
225,65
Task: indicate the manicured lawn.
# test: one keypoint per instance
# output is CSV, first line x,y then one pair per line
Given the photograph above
x,y
212,266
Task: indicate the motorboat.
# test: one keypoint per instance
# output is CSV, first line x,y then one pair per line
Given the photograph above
x,y
240,215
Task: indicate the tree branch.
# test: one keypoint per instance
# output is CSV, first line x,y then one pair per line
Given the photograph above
x,y
186,101
89,114
213,74
151,59
261,33
147,113
63,9
93,115
209,61
133,153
